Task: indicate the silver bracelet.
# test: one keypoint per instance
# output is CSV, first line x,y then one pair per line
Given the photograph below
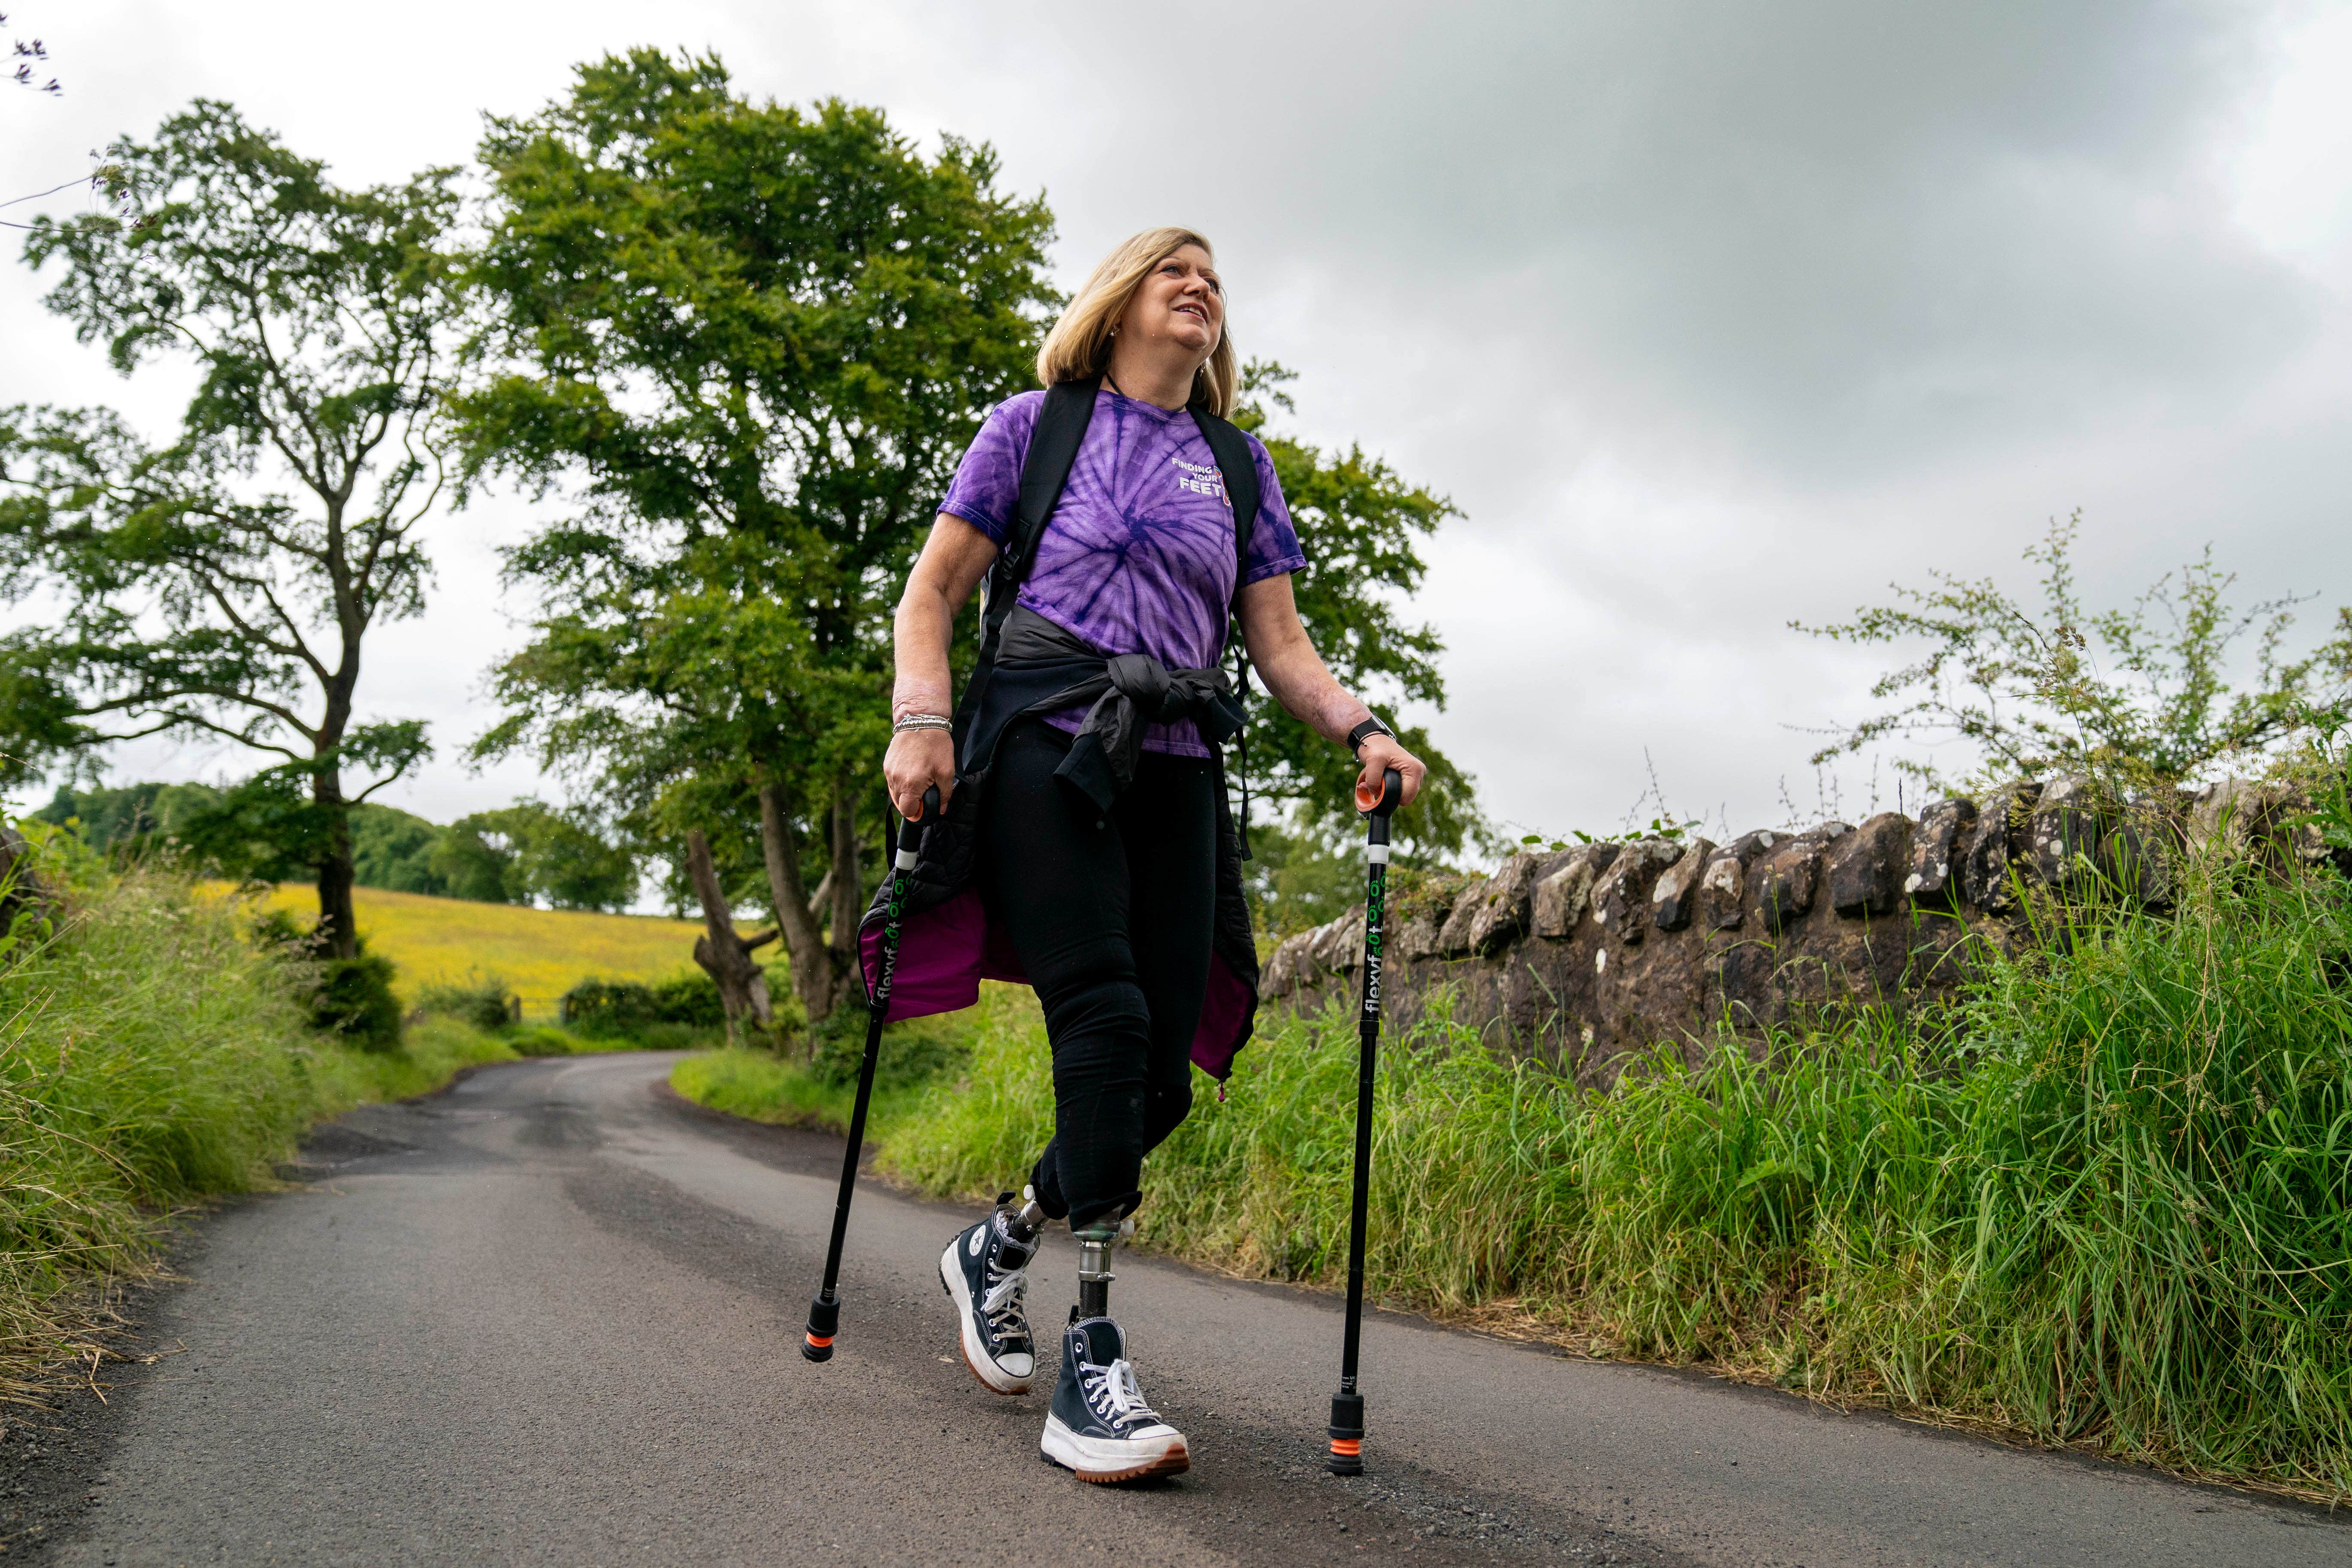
x,y
922,721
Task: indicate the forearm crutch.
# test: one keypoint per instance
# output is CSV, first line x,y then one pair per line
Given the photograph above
x,y
1347,1427
825,1311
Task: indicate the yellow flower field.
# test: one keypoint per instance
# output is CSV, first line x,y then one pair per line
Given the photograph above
x,y
541,953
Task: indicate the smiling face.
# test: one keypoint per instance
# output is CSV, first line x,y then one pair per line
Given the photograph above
x,y
1181,305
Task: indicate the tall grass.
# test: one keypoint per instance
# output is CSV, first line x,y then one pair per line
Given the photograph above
x,y
821,1091
2106,1201
149,1057
143,1059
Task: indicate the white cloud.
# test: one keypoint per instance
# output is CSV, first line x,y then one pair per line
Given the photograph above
x,y
1708,318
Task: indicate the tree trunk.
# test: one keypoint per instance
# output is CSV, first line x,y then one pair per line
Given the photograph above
x,y
817,973
724,956
848,882
338,918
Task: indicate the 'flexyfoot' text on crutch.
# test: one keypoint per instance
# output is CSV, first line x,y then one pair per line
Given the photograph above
x,y
1347,1405
825,1312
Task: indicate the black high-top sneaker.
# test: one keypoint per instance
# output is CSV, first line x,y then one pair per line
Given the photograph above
x,y
985,1273
1099,1425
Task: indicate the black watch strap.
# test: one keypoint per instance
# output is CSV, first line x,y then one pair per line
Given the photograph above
x,y
1365,731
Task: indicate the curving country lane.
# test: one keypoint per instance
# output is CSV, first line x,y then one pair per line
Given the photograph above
x,y
551,1316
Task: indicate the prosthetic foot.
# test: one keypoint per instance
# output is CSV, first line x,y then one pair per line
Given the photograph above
x,y
1100,1426
985,1272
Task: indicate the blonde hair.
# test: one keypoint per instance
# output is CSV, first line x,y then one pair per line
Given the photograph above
x,y
1079,344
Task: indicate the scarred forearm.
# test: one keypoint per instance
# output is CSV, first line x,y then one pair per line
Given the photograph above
x,y
954,559
920,631
951,564
1291,669
1288,663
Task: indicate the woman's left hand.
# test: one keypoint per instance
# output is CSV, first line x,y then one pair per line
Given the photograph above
x,y
1382,752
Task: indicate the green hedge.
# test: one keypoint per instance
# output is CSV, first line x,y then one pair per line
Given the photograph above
x,y
611,1008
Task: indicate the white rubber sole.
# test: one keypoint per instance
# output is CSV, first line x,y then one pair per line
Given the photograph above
x,y
1103,1460
993,1377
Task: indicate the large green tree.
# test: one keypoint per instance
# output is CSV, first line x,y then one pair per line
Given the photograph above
x,y
222,587
748,341
533,853
1361,527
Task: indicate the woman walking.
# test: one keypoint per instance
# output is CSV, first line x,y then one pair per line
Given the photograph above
x,y
1092,825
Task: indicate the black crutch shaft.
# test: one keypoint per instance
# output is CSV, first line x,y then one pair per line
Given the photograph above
x,y
1346,1429
825,1311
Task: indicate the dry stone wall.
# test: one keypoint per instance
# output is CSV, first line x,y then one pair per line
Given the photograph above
x,y
1587,955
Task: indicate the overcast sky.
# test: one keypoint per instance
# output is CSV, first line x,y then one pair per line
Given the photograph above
x,y
1707,317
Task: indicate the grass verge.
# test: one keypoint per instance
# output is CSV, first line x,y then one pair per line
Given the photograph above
x,y
150,1057
2105,1203
822,1090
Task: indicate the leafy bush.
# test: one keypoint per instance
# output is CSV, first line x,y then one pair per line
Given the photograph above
x,y
2141,693
625,1009
539,1040
608,1006
354,1002
349,998
690,1001
910,1053
671,1038
485,1001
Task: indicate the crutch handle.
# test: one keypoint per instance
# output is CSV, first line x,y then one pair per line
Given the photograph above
x,y
930,807
1384,804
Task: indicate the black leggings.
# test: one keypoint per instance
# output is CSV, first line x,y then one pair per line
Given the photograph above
x,y
1111,920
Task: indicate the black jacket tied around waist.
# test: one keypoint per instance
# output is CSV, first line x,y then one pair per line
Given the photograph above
x,y
1126,691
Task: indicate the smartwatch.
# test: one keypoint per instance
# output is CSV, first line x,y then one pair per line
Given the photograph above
x,y
1365,731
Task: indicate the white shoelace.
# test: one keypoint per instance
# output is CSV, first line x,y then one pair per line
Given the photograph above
x,y
1116,1398
1003,1305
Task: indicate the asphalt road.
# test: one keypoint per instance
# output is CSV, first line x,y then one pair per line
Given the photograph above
x,y
553,1315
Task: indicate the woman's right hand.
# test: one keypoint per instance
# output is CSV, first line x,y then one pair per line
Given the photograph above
x,y
918,760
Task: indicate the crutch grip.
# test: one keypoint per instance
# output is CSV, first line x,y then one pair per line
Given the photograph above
x,y
910,835
1383,805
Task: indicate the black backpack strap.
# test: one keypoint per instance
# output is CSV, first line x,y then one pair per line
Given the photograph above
x,y
1054,442
1238,468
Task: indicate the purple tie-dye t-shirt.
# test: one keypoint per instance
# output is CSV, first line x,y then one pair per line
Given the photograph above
x,y
1138,555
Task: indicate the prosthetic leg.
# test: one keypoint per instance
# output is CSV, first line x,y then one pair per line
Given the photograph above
x,y
1029,1220
1095,1243
1099,1425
